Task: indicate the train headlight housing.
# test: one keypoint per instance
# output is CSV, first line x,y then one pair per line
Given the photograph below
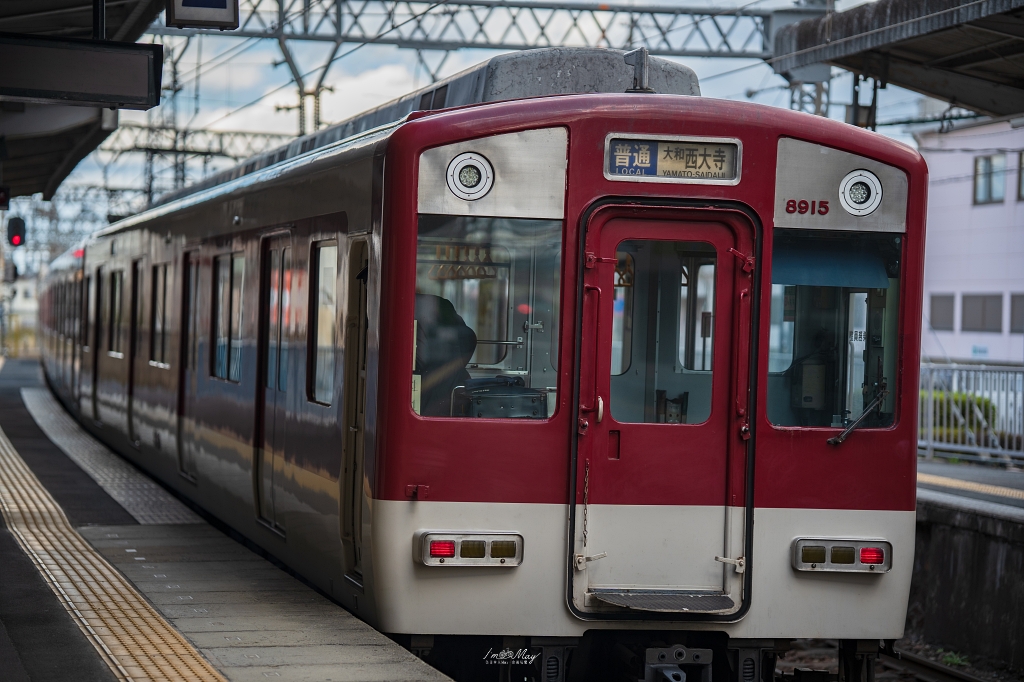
x,y
470,176
435,548
842,555
860,192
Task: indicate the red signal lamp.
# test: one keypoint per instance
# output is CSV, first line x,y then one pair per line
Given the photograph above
x,y
16,240
443,549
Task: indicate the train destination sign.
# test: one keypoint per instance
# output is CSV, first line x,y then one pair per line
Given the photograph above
x,y
663,159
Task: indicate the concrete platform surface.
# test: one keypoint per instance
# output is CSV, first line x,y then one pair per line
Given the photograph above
x,y
990,484
248,618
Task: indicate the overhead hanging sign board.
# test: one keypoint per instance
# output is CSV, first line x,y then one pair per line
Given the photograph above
x,y
222,14
80,72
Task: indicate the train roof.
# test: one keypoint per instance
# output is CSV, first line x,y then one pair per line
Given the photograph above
x,y
517,75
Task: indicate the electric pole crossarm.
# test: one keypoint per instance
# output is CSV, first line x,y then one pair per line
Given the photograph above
x,y
166,140
487,24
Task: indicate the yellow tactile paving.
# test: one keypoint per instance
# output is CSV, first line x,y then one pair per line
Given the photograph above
x,y
134,640
971,486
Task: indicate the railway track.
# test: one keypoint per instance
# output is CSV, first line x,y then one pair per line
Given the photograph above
x,y
923,669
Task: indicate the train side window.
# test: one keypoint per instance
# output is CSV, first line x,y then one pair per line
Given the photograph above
x,y
137,314
86,310
323,322
780,336
99,311
485,320
159,334
227,316
833,332
115,314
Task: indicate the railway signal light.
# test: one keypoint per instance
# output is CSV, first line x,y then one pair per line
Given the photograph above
x,y
16,231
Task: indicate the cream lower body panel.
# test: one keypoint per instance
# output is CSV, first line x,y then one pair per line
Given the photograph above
x,y
530,600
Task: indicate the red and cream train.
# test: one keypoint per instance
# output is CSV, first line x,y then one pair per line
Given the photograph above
x,y
626,379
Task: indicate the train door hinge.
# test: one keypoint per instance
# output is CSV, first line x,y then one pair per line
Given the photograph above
x,y
592,260
740,564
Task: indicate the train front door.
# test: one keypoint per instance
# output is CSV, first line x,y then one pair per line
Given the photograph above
x,y
275,297
661,428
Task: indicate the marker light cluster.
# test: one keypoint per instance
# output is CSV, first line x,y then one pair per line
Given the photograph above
x,y
469,549
839,555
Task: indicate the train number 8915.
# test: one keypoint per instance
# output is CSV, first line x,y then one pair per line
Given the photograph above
x,y
803,206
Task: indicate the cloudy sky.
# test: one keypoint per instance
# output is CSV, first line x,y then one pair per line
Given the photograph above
x,y
219,75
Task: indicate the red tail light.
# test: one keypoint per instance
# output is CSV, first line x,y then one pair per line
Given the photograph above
x,y
872,555
444,549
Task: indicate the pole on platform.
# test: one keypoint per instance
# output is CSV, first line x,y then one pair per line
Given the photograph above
x,y
99,20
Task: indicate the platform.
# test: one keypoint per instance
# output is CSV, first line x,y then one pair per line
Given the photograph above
x,y
994,485
104,575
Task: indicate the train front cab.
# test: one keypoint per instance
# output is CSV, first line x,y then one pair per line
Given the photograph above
x,y
621,350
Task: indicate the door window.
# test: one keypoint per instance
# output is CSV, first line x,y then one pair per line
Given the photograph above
x,y
663,332
228,271
622,313
833,332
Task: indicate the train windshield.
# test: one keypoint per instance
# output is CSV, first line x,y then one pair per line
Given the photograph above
x,y
833,339
486,319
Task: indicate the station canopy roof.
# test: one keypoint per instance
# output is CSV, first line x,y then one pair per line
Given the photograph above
x,y
967,52
40,143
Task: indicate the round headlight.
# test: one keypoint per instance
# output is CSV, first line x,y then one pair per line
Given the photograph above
x,y
470,176
860,192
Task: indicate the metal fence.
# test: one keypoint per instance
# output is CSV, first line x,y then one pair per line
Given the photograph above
x,y
972,412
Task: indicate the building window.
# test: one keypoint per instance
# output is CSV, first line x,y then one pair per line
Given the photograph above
x,y
228,271
982,313
1017,313
1020,176
989,180
159,336
325,269
941,316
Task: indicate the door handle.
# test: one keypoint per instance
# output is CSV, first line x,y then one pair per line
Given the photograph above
x,y
600,409
580,561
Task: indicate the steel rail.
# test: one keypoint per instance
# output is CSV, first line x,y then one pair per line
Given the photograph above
x,y
924,669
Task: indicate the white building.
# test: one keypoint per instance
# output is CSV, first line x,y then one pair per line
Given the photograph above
x,y
974,262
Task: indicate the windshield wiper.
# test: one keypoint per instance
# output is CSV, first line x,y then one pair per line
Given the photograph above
x,y
838,440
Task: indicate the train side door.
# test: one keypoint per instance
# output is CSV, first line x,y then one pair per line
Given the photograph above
x,y
659,517
275,301
352,497
188,380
